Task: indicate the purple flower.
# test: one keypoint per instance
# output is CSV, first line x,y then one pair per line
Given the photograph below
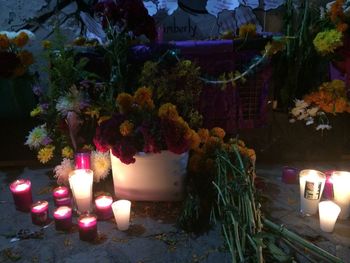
x,y
37,90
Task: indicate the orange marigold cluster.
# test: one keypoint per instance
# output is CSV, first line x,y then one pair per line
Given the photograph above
x,y
336,15
143,98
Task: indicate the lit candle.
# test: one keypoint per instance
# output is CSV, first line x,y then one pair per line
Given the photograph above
x,y
341,189
82,160
22,194
121,211
80,181
87,224
61,196
289,175
328,212
311,188
39,213
103,206
63,218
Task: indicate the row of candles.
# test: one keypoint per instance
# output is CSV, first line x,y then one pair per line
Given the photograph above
x,y
80,181
332,184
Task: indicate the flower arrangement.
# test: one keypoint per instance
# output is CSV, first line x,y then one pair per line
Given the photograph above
x,y
140,126
14,59
330,98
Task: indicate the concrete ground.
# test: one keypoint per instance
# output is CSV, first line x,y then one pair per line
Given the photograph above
x,y
153,236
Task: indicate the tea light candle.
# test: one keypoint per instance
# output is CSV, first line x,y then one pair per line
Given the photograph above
x,y
80,181
61,196
103,206
39,213
328,212
289,175
87,224
63,218
341,189
121,211
82,160
311,188
22,194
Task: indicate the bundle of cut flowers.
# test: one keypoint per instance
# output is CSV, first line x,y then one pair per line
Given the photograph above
x,y
14,59
329,98
139,125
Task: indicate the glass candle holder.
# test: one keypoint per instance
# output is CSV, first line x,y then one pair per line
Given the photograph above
x,y
103,207
121,211
87,224
22,194
82,160
80,181
328,213
311,188
63,218
341,191
61,196
39,213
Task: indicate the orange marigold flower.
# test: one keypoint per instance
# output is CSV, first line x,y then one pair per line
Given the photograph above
x,y
218,132
340,105
26,57
195,140
125,102
21,40
143,98
168,111
203,134
4,41
126,128
213,143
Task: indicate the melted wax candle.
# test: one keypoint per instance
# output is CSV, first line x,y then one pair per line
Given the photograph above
x,y
39,213
22,194
87,224
103,206
63,218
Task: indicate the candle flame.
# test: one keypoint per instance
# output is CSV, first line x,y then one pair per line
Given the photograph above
x,y
40,207
62,211
104,201
86,221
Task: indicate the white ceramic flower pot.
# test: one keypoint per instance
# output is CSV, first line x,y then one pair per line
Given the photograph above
x,y
153,177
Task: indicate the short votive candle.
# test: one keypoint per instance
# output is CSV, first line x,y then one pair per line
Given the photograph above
x,y
82,160
39,213
103,207
61,196
22,194
87,224
341,191
328,213
121,211
63,218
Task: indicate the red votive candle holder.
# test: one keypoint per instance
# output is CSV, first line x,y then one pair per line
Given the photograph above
x,y
82,160
63,218
103,207
87,224
290,175
39,212
328,186
22,194
61,196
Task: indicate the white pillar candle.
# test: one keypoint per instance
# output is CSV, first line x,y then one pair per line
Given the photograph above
x,y
80,181
121,211
328,212
341,188
311,188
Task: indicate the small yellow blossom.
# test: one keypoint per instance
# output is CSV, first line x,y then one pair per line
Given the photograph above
x,y
126,128
93,112
67,152
36,111
46,154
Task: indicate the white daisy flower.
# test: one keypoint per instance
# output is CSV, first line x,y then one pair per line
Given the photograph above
x,y
100,164
61,172
38,137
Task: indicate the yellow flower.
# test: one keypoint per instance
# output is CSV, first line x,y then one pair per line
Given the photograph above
x,y
247,30
93,112
168,111
36,111
4,41
125,102
88,147
67,152
21,39
328,41
46,154
46,44
143,98
126,128
218,132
